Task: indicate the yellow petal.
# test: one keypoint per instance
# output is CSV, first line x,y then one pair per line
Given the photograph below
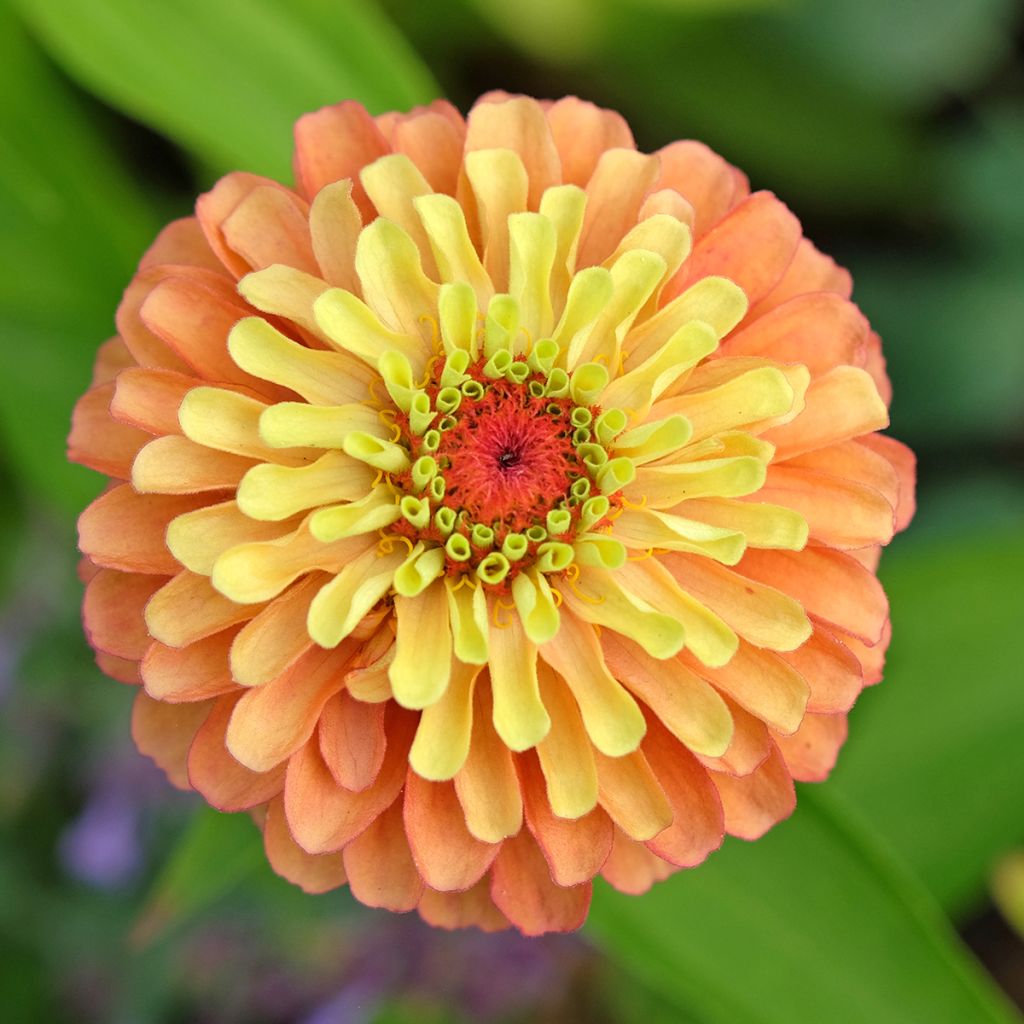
x,y
423,659
614,722
340,605
385,455
197,539
653,440
500,184
467,608
647,528
419,570
689,707
519,716
349,325
295,424
286,292
763,525
707,636
535,606
596,597
371,513
334,226
532,243
589,292
457,311
251,573
666,486
630,793
564,206
442,737
456,257
566,755
393,183
324,378
716,301
277,492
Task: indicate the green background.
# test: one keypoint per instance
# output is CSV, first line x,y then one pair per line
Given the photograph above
x,y
895,129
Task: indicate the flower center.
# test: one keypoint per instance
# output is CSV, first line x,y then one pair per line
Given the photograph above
x,y
503,468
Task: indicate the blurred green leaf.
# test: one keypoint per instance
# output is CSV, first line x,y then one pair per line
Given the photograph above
x,y
74,224
910,51
216,853
935,757
815,923
227,80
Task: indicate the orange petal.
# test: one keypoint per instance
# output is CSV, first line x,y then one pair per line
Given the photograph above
x,y
99,441
524,892
276,637
874,364
631,794
125,530
145,347
312,873
574,850
519,124
632,867
187,609
842,404
324,817
697,826
487,784
379,865
196,672
181,242
830,585
871,658
903,461
471,909
212,771
272,721
111,358
702,177
270,226
749,747
352,740
194,317
334,143
764,683
149,399
810,271
819,329
112,612
164,732
447,856
811,752
434,142
615,193
831,670
582,132
752,246
755,802
121,669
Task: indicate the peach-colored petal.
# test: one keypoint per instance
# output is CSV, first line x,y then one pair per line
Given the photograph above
x,y
352,740
112,357
809,271
269,226
749,747
324,817
702,177
811,752
761,224
213,772
187,609
632,796
312,873
100,442
574,850
870,656
145,347
471,909
149,399
196,672
582,132
755,802
518,124
632,867
272,721
697,826
830,669
112,612
379,865
819,329
525,893
182,242
121,669
178,465
434,142
831,585
334,143
124,530
903,461
164,732
447,856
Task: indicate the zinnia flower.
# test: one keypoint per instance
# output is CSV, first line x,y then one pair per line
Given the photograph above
x,y
495,509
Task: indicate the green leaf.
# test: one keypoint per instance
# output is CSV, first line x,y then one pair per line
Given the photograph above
x,y
217,853
227,79
74,225
935,756
813,923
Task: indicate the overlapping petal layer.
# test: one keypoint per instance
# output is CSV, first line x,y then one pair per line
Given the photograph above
x,y
496,509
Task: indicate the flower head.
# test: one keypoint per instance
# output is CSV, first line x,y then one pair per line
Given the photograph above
x,y
496,509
